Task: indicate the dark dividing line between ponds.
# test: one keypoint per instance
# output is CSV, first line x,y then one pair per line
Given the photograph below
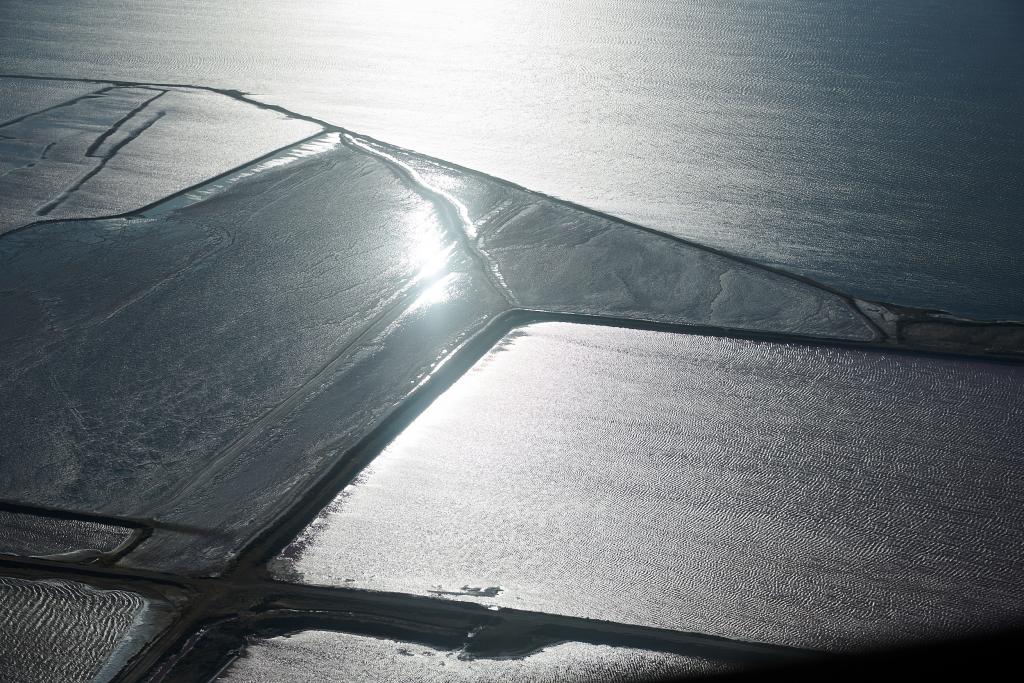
x,y
245,98
142,210
247,586
234,94
60,105
451,217
98,142
279,533
904,315
66,194
934,315
475,633
249,566
134,532
256,606
251,561
379,322
269,608
99,518
137,530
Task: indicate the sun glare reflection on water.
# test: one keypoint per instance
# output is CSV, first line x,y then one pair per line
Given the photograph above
x,y
439,292
427,252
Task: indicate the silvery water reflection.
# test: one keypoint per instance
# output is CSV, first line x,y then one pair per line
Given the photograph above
x,y
799,495
330,656
877,147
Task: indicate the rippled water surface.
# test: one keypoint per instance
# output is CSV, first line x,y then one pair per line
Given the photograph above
x,y
875,146
327,656
56,630
798,495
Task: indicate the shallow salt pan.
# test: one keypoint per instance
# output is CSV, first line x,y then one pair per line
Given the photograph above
x,y
557,257
121,148
231,341
140,355
798,495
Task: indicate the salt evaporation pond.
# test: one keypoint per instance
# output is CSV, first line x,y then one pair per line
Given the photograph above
x,y
795,494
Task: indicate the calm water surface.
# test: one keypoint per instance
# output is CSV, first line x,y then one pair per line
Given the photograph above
x,y
873,146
